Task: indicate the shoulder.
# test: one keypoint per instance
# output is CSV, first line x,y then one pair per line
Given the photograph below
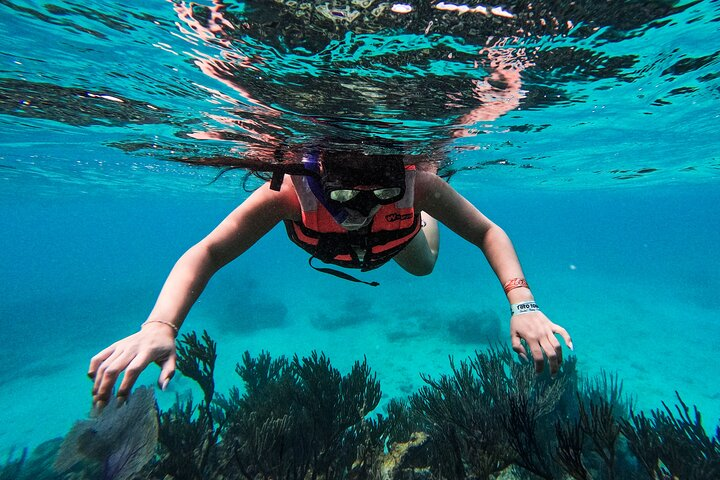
x,y
285,200
282,204
429,188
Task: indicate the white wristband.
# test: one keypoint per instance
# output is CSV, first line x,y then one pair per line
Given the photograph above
x,y
524,307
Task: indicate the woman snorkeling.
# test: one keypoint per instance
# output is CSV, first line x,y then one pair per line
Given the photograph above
x,y
347,208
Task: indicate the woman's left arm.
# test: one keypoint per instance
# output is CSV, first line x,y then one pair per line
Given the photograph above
x,y
436,197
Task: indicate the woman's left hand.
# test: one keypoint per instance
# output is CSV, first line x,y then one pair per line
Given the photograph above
x,y
539,334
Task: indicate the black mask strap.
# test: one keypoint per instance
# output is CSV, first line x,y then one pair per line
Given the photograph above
x,y
339,274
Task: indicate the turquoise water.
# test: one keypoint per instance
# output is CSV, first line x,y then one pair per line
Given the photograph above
x,y
604,173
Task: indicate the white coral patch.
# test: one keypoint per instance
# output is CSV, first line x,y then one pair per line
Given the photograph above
x,y
498,11
451,7
401,8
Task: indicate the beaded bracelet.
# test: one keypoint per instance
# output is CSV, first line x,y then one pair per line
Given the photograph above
x,y
514,283
164,323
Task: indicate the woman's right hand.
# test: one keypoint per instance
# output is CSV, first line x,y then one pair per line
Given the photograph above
x,y
155,342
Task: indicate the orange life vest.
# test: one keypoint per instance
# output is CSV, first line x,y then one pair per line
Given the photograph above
x,y
319,234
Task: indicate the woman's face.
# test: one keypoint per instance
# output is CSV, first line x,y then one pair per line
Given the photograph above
x,y
359,186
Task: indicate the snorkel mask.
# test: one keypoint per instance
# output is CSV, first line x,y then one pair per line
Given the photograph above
x,y
354,186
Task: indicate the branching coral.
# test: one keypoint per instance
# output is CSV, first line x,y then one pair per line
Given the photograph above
x,y
401,421
294,419
602,428
588,432
570,438
188,440
301,419
484,416
531,450
670,446
196,360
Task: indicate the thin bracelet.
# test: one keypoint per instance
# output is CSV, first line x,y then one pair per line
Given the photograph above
x,y
164,323
514,283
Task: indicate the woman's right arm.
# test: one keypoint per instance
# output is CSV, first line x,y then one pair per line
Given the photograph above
x,y
155,342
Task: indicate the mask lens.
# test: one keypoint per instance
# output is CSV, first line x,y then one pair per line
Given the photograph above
x,y
343,195
387,193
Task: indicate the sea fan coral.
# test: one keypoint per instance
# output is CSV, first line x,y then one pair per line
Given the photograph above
x,y
122,438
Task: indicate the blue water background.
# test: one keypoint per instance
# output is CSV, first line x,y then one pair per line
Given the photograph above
x,y
616,225
82,271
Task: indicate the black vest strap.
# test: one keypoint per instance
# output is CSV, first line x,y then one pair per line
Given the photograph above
x,y
339,274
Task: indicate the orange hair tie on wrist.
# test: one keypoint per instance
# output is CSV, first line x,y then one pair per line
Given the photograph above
x,y
514,283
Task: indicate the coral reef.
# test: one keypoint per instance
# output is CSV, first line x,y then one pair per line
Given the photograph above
x,y
188,433
294,419
670,446
120,438
39,465
484,416
490,417
407,459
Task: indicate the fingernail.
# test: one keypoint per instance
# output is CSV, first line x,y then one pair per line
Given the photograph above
x,y
165,384
121,401
571,347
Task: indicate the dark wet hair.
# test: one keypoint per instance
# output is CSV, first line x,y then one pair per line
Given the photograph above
x,y
365,160
361,169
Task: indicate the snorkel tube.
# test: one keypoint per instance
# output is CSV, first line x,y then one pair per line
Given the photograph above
x,y
311,163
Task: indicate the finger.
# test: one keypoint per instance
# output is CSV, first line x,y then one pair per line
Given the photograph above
x,y
97,360
557,347
103,366
132,372
563,333
110,376
518,347
167,371
551,355
538,358
98,407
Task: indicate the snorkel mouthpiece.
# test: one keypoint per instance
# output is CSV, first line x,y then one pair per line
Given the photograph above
x,y
354,219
